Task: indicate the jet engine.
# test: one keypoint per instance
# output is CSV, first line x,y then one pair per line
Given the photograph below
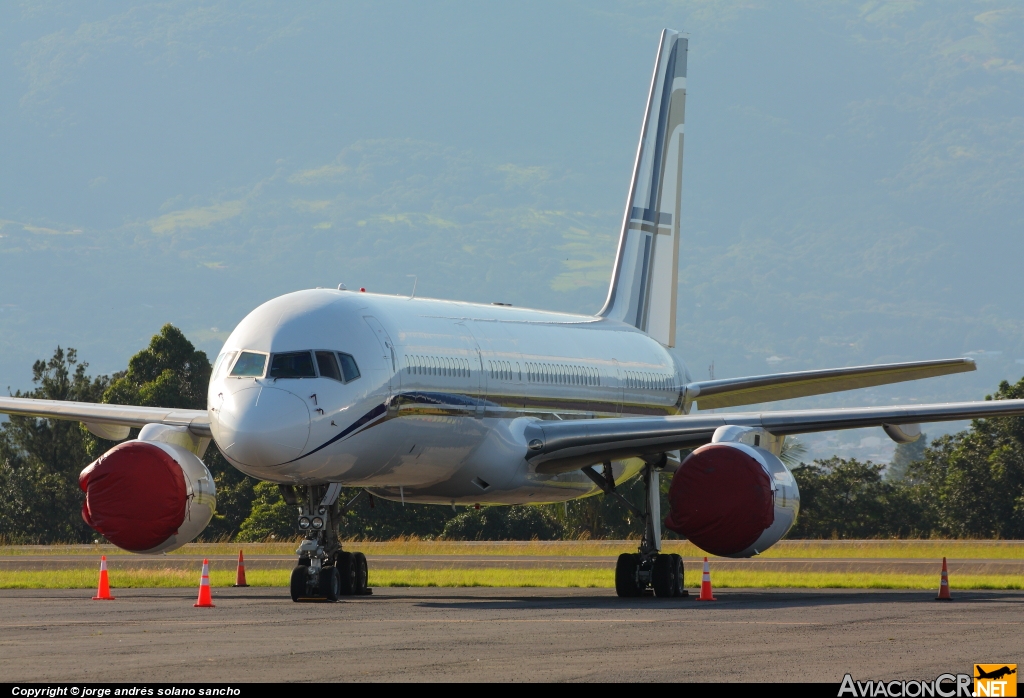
x,y
732,499
148,496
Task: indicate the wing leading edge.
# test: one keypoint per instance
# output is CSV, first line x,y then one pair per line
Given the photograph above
x,y
99,415
555,447
733,392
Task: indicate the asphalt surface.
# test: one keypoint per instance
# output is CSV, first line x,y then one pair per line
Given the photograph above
x,y
504,635
287,562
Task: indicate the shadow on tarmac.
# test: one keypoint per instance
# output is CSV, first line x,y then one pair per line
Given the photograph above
x,y
726,599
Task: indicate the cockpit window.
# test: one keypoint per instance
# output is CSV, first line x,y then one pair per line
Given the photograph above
x,y
222,364
328,365
296,364
348,367
250,364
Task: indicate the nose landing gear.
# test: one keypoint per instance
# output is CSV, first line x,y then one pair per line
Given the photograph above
x,y
647,571
324,570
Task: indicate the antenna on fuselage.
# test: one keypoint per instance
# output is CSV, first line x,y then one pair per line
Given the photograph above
x,y
415,280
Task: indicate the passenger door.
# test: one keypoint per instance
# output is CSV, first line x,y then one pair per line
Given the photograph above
x,y
388,354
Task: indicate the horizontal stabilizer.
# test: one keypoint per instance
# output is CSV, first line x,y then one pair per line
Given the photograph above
x,y
732,392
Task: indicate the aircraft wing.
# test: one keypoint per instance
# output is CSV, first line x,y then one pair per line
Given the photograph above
x,y
104,419
560,446
731,392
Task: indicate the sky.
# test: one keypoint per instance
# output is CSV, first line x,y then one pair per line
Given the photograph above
x,y
852,178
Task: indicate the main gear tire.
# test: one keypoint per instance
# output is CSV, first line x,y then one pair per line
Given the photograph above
x,y
626,583
360,574
347,573
664,577
679,589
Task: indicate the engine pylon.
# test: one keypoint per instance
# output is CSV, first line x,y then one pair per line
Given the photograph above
x,y
705,584
103,590
205,599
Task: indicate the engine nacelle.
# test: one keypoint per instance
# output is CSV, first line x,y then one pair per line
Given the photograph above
x,y
732,499
148,496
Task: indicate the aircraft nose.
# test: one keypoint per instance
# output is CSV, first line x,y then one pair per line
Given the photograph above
x,y
262,426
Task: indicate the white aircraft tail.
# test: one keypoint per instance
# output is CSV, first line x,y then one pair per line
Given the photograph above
x,y
643,287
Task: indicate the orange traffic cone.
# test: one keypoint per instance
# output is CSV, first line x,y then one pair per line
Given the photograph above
x,y
944,584
705,584
240,574
103,591
205,601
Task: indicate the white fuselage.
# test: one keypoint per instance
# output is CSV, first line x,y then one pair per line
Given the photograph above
x,y
443,394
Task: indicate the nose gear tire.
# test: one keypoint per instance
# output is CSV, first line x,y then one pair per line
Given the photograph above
x,y
330,583
298,582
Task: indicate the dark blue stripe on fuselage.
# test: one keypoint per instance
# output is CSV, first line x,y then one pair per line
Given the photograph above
x,y
370,416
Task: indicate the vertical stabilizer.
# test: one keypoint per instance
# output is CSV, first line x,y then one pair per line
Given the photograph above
x,y
643,288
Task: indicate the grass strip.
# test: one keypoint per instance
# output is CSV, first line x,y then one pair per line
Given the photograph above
x,y
824,549
504,577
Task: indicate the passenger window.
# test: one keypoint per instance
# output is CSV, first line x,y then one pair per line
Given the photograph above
x,y
348,367
296,364
328,365
250,364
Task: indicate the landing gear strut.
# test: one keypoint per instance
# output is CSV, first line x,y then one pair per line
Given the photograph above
x,y
324,570
648,569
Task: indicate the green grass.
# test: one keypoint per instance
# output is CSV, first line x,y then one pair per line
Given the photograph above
x,y
503,577
933,549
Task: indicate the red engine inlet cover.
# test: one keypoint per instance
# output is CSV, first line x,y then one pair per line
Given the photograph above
x,y
134,495
721,499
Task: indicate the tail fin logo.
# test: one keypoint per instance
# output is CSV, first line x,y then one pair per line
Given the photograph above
x,y
644,279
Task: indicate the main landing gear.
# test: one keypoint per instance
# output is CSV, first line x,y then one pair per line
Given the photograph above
x,y
324,570
648,570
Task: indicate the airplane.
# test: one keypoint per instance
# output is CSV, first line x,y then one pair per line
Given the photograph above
x,y
453,403
995,674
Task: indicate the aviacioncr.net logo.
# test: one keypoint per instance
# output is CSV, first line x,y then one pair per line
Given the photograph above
x,y
995,680
943,686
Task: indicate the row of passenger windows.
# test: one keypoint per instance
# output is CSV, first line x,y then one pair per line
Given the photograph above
x,y
502,370
648,381
293,364
437,366
562,374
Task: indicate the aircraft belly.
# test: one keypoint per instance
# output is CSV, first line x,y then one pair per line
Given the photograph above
x,y
523,488
425,450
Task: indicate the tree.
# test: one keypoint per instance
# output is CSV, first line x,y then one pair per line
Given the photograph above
x,y
976,476
269,517
521,522
904,455
170,372
40,501
848,499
